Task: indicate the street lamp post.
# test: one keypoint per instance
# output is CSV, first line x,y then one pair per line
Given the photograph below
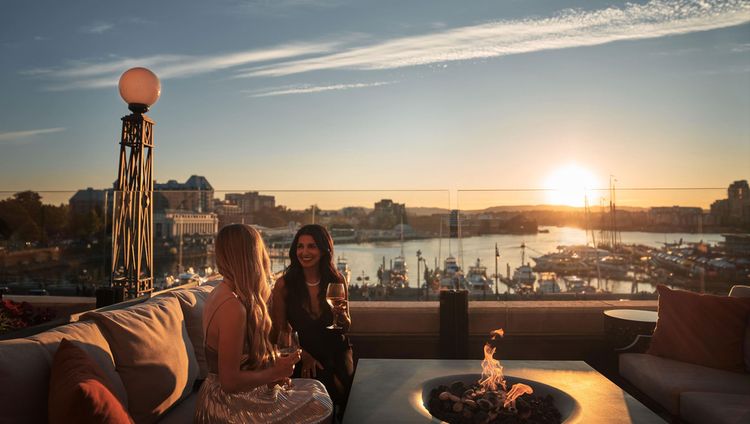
x,y
132,226
497,256
419,259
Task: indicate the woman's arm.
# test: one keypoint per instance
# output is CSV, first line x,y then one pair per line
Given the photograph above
x,y
231,322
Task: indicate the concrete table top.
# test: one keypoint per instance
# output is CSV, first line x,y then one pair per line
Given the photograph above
x,y
389,390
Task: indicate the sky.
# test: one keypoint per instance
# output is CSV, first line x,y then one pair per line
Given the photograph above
x,y
455,97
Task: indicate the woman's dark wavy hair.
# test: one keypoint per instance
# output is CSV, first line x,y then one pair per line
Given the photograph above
x,y
294,277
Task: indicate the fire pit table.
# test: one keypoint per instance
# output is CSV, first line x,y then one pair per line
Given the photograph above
x,y
391,390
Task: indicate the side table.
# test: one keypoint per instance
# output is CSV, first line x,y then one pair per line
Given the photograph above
x,y
622,326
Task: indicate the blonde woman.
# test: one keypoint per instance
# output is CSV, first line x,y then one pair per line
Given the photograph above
x,y
241,386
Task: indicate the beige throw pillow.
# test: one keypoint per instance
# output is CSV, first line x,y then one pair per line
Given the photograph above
x,y
152,353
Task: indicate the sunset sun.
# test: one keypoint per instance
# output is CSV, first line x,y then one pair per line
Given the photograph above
x,y
569,186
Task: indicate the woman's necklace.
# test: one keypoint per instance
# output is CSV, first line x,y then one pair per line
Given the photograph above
x,y
312,284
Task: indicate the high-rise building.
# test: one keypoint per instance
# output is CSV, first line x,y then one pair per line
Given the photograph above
x,y
735,209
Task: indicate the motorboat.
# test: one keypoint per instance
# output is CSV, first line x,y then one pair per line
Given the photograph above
x,y
453,277
342,265
548,283
477,278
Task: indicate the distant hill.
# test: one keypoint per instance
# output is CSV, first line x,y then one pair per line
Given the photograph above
x,y
426,211
554,208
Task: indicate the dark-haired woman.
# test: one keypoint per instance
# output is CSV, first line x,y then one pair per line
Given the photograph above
x,y
299,300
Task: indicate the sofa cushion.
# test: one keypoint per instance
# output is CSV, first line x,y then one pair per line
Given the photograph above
x,y
743,291
88,336
192,302
701,329
714,408
183,412
153,354
24,381
79,390
664,379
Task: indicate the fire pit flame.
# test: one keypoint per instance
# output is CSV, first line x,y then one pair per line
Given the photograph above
x,y
489,400
517,390
492,371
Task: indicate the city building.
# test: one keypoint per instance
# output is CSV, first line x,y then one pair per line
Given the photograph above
x,y
387,214
196,194
171,224
676,216
90,199
250,201
735,209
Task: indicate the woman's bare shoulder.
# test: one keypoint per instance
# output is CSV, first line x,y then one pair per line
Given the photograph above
x,y
224,302
280,285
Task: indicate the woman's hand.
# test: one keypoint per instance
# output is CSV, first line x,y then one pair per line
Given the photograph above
x,y
309,365
341,307
283,366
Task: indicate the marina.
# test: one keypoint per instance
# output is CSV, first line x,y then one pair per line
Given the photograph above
x,y
553,262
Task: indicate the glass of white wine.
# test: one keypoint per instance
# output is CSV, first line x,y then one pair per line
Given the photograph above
x,y
287,342
335,296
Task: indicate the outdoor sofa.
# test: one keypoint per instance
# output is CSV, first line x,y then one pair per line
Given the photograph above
x,y
151,355
691,392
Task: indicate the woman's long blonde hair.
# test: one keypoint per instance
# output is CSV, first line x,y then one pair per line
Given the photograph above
x,y
242,258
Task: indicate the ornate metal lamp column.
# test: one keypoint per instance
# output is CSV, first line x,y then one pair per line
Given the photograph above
x,y
132,226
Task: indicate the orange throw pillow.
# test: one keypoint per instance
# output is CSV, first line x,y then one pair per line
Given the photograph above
x,y
701,329
78,390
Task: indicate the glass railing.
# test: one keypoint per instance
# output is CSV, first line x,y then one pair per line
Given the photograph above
x,y
399,245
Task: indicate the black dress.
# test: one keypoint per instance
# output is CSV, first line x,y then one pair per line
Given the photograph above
x,y
329,347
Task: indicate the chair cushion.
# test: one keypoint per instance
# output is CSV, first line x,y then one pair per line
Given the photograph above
x,y
701,329
153,354
87,336
663,380
79,390
24,381
714,408
192,302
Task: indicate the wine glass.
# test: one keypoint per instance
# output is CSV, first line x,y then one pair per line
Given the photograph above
x,y
287,344
335,296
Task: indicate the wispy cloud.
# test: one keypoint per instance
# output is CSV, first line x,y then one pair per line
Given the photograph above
x,y
306,89
91,74
15,136
741,48
98,27
568,29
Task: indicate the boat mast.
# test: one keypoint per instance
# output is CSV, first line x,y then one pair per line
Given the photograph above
x,y
587,212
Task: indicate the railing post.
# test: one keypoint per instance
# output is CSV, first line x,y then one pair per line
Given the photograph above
x,y
454,324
